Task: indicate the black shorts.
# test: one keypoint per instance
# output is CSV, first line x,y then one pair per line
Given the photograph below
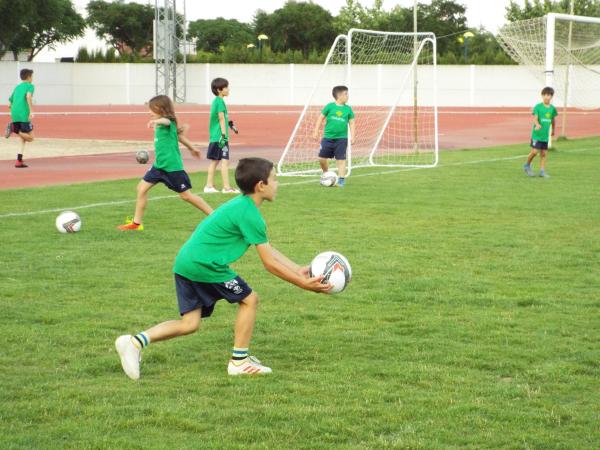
x,y
177,181
539,145
192,295
333,148
22,127
216,153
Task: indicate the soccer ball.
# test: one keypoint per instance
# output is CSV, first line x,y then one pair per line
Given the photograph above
x,y
142,156
68,222
329,179
335,268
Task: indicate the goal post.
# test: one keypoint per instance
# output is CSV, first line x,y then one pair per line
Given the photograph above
x,y
392,128
563,51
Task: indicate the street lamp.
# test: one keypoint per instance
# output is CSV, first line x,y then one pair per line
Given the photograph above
x,y
464,39
261,38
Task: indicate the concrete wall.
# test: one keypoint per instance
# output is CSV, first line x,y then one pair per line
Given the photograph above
x,y
286,84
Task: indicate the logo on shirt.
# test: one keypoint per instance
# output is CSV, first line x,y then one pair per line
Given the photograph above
x,y
548,115
338,113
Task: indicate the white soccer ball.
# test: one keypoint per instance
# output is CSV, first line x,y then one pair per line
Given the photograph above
x,y
329,179
335,268
68,222
142,156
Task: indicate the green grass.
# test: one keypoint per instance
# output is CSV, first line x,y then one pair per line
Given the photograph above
x,y
472,320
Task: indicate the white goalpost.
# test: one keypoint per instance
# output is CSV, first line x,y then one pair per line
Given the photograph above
x,y
392,85
563,51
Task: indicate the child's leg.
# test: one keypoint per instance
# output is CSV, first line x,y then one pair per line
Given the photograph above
x,y
532,155
244,322
142,199
210,178
341,165
542,160
196,201
27,137
324,164
189,323
225,173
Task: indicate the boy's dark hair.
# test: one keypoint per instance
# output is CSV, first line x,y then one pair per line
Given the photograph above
x,y
338,90
250,171
25,73
548,90
218,84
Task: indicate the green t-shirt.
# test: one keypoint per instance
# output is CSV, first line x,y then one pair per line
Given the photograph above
x,y
214,128
337,118
221,239
545,114
166,147
19,108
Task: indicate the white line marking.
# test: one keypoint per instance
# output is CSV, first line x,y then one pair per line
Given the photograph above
x,y
293,183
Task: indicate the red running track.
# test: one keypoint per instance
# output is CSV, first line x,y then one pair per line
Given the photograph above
x,y
264,131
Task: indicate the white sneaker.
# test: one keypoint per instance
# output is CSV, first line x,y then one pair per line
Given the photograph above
x,y
130,356
230,191
210,190
249,366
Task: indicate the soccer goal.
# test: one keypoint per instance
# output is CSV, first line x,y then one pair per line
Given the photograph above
x,y
392,84
564,52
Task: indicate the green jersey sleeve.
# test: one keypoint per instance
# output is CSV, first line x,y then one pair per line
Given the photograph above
x,y
325,110
253,228
350,113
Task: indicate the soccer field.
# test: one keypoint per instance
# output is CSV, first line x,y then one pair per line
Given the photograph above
x,y
472,319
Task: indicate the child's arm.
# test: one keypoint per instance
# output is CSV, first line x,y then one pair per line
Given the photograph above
x,y
190,146
222,123
318,126
553,127
160,121
30,103
352,130
536,122
282,267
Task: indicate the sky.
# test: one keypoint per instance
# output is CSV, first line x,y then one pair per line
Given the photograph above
x,y
486,13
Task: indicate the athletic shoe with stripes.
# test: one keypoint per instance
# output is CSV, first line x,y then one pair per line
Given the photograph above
x,y
130,356
248,366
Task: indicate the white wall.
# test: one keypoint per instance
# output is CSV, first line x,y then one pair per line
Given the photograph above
x,y
278,84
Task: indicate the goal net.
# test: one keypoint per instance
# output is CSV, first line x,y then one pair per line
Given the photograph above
x,y
563,51
392,85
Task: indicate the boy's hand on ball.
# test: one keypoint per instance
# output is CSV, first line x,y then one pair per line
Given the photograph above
x,y
315,284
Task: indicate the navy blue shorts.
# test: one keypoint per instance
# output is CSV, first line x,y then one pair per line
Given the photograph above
x,y
539,145
177,181
22,127
333,148
216,153
192,295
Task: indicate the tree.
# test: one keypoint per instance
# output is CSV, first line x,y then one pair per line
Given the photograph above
x,y
538,8
297,26
214,35
125,26
444,18
31,26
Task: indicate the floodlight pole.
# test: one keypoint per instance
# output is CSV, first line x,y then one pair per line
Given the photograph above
x,y
169,35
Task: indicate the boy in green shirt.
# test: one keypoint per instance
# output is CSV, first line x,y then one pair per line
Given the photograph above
x,y
543,118
337,115
21,113
218,146
203,275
